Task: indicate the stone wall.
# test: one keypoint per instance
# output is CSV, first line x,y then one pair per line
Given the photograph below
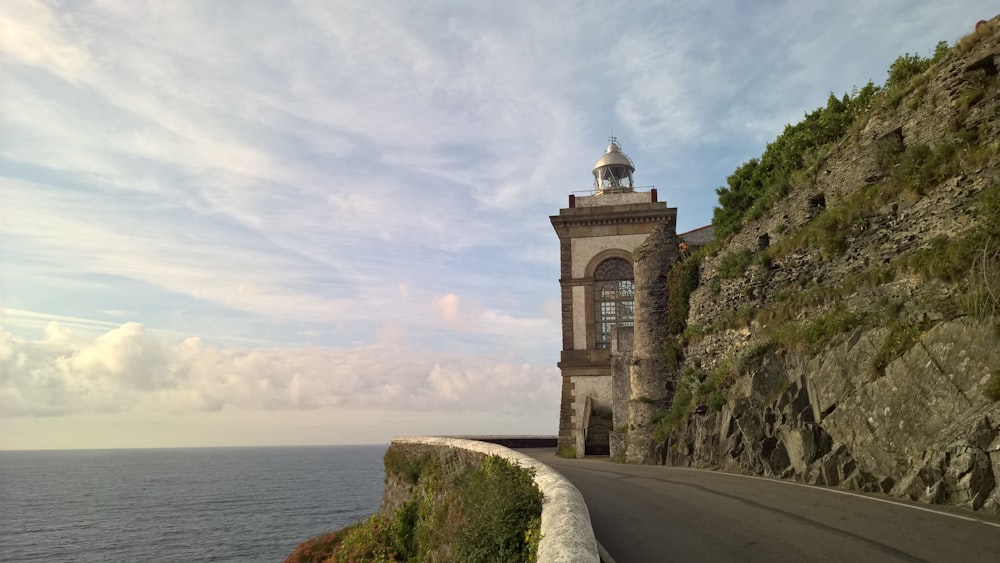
x,y
651,379
621,389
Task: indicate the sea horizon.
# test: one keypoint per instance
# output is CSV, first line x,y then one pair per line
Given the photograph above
x,y
119,448
229,503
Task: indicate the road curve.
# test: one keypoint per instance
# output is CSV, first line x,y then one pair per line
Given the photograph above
x,y
655,513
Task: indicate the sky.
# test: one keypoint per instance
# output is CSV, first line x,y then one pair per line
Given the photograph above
x,y
249,223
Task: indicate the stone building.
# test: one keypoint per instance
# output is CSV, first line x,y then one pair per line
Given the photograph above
x,y
598,234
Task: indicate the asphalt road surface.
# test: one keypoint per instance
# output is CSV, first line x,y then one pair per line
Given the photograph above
x,y
655,513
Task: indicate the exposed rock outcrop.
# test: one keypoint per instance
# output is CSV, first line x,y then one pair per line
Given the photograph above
x,y
881,385
924,430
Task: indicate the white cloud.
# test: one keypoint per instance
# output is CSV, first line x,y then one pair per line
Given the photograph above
x,y
130,369
370,179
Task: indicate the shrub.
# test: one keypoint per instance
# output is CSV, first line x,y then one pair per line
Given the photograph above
x,y
673,352
397,462
941,51
316,550
369,541
758,184
680,408
694,387
715,288
904,68
797,154
921,166
502,507
716,401
888,151
682,280
733,264
456,511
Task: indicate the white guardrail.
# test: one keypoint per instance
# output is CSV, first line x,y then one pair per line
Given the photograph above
x,y
567,535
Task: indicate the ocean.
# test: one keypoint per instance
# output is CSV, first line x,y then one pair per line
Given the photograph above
x,y
179,505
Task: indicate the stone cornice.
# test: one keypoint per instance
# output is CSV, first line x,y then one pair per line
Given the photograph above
x,y
589,218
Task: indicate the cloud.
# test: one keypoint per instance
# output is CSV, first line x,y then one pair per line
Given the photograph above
x,y
270,180
448,307
307,187
128,368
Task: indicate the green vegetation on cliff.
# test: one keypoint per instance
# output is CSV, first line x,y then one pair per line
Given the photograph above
x,y
760,182
906,172
796,155
482,510
845,332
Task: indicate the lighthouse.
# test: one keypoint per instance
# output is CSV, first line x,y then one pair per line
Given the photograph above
x,y
598,232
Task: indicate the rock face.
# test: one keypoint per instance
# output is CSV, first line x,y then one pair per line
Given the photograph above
x,y
888,396
924,430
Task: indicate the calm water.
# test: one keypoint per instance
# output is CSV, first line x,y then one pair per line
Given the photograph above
x,y
205,504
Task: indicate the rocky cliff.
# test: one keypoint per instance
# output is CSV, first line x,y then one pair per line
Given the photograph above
x,y
846,331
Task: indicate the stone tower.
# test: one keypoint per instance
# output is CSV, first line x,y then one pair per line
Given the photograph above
x,y
598,233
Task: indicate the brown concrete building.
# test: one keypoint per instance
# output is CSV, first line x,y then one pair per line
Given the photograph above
x,y
598,233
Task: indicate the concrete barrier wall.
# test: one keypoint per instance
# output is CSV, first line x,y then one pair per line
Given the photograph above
x,y
567,535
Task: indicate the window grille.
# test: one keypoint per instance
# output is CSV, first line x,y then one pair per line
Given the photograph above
x,y
614,294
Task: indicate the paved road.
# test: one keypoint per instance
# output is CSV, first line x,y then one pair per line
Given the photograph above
x,y
654,513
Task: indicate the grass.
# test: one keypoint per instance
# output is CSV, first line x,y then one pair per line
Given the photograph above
x,y
969,96
795,157
971,259
965,44
568,452
902,336
693,333
914,170
806,315
673,352
943,258
812,335
992,390
682,280
502,509
460,511
680,409
983,298
754,354
318,549
397,462
695,387
733,264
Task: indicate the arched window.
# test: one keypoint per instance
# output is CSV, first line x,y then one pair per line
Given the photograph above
x,y
614,291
